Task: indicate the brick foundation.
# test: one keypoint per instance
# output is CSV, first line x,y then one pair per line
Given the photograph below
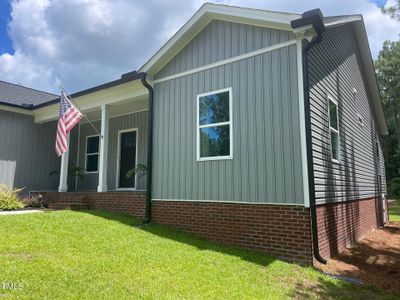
x,y
281,230
342,224
132,203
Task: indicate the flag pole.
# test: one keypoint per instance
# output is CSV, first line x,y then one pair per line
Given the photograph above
x,y
84,115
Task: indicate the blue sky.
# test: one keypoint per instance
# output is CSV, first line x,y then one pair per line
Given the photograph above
x,y
5,42
82,43
5,17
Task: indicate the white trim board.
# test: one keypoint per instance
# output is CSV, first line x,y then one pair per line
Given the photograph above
x,y
230,202
228,61
303,139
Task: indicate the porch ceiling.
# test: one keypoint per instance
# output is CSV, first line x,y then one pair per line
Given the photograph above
x,y
128,97
120,108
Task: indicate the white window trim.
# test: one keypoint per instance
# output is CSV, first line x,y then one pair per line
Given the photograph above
x,y
230,123
330,98
117,188
94,153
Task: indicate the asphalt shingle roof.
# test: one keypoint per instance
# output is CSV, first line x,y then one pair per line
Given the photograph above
x,y
19,95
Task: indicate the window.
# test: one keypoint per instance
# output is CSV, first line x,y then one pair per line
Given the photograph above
x,y
360,120
334,129
214,125
92,154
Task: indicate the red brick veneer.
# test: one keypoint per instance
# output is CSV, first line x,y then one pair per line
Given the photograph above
x,y
280,230
342,224
133,203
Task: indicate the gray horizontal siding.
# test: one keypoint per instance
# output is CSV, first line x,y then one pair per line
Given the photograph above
x,y
27,153
220,40
134,120
266,164
335,69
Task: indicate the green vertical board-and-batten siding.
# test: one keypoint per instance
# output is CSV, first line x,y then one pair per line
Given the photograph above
x,y
266,164
335,68
220,40
27,153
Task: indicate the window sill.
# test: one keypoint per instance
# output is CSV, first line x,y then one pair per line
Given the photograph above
x,y
215,158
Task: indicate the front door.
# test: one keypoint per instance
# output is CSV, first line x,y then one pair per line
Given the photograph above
x,y
127,144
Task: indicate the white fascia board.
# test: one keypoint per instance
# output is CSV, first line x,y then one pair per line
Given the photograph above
x,y
365,52
94,101
16,110
200,20
343,20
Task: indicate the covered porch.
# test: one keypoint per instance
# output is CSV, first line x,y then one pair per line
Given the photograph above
x,y
108,144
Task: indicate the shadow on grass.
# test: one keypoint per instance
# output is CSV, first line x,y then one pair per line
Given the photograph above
x,y
326,289
321,288
185,238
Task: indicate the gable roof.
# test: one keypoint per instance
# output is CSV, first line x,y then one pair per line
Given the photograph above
x,y
272,19
357,22
19,96
204,15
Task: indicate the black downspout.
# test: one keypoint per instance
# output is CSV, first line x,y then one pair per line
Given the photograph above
x,y
315,19
149,147
310,163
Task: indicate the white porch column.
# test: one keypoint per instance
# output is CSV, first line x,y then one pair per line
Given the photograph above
x,y
63,186
102,187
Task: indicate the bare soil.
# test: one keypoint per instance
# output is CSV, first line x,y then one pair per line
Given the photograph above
x,y
375,259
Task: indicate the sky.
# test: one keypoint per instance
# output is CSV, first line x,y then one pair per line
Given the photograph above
x,y
84,43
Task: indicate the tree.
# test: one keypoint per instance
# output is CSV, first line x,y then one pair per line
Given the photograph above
x,y
388,73
393,11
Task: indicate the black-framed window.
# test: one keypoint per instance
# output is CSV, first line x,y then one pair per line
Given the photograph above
x,y
92,154
334,129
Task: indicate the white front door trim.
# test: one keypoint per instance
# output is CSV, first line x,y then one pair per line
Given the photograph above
x,y
119,156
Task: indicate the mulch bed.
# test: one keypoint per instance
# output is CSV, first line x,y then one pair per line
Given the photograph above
x,y
375,259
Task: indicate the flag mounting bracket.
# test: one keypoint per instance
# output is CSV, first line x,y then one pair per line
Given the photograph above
x,y
84,115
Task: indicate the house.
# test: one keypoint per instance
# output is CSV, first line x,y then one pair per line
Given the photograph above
x,y
259,129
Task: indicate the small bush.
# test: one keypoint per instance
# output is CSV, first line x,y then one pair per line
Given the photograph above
x,y
32,201
394,188
9,199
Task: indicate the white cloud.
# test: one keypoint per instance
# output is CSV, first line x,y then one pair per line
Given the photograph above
x,y
82,43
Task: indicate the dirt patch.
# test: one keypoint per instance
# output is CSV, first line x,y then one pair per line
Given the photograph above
x,y
375,259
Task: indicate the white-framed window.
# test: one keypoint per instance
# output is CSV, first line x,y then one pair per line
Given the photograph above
x,y
92,154
333,113
214,125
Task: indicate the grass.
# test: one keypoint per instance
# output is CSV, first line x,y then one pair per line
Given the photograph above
x,y
99,255
394,211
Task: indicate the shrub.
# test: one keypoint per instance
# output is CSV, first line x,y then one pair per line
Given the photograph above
x,y
9,199
33,201
394,188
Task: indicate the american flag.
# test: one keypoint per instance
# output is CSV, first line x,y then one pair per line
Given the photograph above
x,y
68,117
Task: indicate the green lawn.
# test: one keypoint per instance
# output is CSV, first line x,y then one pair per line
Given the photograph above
x,y
394,211
98,255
